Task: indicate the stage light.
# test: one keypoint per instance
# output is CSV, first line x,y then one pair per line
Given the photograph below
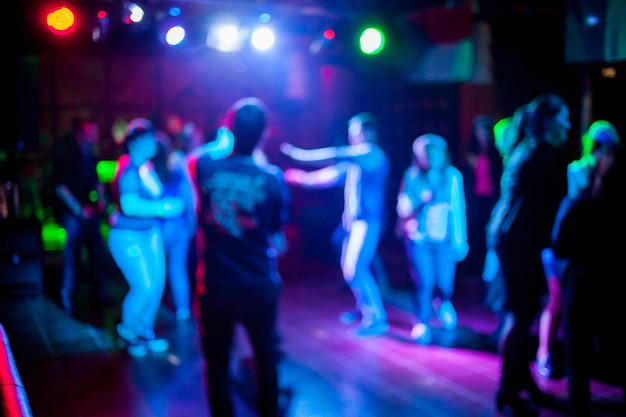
x,y
175,35
101,26
61,20
226,35
133,13
263,38
329,34
371,41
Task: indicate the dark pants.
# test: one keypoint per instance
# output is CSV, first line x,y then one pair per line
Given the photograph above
x,y
592,323
256,309
525,286
81,233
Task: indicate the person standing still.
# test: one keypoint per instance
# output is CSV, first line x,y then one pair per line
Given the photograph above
x,y
362,167
80,197
431,208
243,206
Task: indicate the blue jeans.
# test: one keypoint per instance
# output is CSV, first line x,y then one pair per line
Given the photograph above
x,y
140,256
433,268
359,248
176,241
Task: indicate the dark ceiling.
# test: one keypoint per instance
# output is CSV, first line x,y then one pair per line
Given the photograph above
x,y
307,15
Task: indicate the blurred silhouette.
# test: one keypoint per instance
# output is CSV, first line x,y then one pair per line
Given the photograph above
x,y
431,207
362,168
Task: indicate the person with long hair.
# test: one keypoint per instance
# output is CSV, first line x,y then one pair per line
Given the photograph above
x,y
533,184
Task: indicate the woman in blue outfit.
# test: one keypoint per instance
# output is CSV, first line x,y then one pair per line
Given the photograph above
x,y
136,240
431,208
362,168
178,231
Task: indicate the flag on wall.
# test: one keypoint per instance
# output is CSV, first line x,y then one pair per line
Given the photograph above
x,y
444,45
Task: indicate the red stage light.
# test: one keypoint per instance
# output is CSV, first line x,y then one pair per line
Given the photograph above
x,y
329,34
61,20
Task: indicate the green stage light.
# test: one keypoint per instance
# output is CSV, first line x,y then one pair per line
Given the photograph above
x,y
372,40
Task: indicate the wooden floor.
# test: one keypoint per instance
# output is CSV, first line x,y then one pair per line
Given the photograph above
x,y
73,368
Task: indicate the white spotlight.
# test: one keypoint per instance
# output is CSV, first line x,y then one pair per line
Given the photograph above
x,y
226,36
263,38
175,35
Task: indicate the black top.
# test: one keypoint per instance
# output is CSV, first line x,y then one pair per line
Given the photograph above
x,y
241,205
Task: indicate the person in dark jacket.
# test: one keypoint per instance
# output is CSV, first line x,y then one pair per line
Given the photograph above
x,y
532,185
585,235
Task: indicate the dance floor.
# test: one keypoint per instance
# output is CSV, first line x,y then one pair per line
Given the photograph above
x,y
73,367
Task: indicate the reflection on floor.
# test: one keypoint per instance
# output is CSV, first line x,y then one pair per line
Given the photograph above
x,y
72,367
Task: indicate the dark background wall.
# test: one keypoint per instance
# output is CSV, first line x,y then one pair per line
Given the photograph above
x,y
311,96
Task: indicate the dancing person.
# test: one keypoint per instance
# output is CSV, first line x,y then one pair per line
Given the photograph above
x,y
362,168
431,208
178,231
596,141
508,132
532,185
243,207
584,235
136,238
80,212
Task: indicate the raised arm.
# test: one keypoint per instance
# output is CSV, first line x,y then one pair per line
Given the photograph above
x,y
220,148
309,155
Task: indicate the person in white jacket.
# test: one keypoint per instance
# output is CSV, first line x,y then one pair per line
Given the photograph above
x,y
431,210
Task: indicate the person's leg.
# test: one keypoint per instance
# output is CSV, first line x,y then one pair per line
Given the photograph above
x,y
260,322
356,267
548,325
154,256
178,277
216,337
71,254
422,261
128,248
96,255
579,328
445,270
524,286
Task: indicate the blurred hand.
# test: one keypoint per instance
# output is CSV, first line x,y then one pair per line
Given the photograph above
x,y
173,206
287,148
491,267
294,176
426,196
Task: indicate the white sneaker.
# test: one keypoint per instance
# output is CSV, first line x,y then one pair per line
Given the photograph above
x,y
447,315
422,334
130,342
